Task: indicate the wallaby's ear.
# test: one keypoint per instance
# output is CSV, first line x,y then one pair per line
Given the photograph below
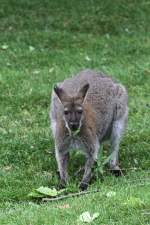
x,y
60,93
83,91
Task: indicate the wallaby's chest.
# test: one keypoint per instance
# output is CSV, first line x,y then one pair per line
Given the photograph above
x,y
75,143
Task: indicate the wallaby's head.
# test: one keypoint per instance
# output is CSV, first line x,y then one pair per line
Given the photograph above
x,y
72,106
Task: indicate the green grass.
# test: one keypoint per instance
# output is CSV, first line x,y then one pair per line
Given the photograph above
x,y
41,43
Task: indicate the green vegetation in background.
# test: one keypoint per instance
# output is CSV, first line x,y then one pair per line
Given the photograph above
x,y
41,43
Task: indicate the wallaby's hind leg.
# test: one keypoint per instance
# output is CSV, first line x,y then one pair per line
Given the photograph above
x,y
62,161
116,135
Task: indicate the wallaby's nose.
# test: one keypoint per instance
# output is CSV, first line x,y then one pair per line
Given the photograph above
x,y
74,126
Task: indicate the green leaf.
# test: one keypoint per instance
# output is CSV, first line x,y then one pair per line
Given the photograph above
x,y
75,133
45,191
35,194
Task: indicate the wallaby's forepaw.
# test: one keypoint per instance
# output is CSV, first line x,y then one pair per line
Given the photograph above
x,y
79,171
116,171
83,186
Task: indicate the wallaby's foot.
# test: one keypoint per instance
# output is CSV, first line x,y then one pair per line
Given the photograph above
x,y
116,171
83,186
62,184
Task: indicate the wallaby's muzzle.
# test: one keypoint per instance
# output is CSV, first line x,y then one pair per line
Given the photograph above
x,y
74,126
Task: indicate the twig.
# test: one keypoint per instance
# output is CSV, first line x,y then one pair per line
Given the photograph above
x,y
70,195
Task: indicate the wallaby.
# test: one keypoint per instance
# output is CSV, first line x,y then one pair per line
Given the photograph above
x,y
86,110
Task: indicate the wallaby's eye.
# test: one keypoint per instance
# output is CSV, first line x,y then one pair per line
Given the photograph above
x,y
80,111
66,111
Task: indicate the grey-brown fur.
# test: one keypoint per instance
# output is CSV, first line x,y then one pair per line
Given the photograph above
x,y
105,113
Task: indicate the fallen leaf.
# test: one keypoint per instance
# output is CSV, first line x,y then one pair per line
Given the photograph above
x,y
134,202
87,58
10,28
135,161
111,194
35,194
51,70
87,218
31,48
48,191
34,204
36,71
4,47
44,191
8,64
65,206
7,168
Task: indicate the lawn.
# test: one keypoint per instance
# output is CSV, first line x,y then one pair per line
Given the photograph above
x,y
41,43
